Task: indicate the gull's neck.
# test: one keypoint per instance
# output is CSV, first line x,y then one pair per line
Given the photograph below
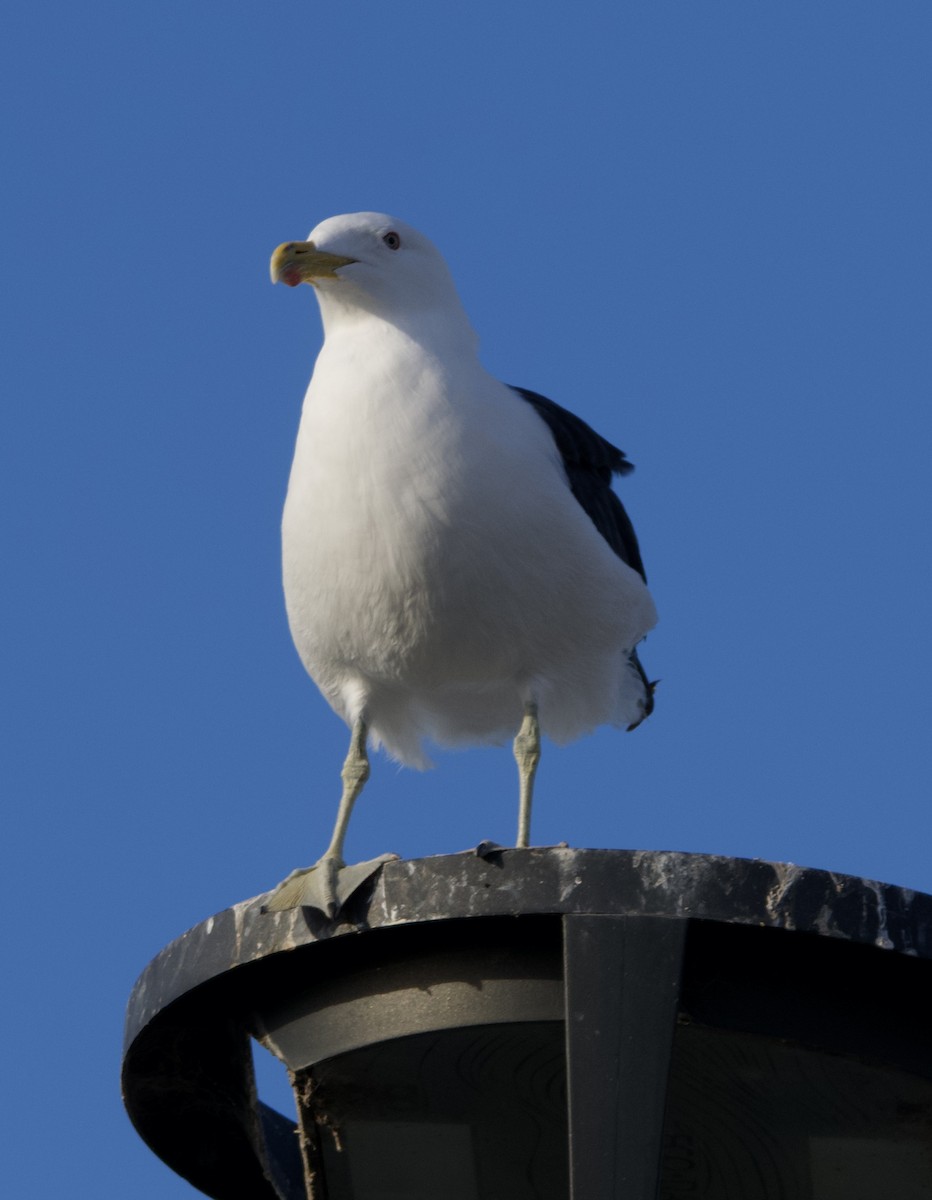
x,y
439,325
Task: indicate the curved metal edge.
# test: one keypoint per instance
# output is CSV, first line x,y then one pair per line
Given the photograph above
x,y
554,880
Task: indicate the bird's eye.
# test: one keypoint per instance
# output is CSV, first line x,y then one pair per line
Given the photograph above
x,y
392,240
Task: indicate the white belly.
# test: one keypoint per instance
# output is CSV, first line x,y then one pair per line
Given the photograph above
x,y
437,575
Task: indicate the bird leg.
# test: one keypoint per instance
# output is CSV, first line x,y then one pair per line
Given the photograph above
x,y
354,775
527,756
329,882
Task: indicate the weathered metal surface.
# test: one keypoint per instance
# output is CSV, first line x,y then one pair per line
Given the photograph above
x,y
550,880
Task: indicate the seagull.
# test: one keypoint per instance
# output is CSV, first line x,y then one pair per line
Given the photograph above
x,y
456,565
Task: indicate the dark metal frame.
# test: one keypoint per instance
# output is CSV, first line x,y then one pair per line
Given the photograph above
x,y
647,940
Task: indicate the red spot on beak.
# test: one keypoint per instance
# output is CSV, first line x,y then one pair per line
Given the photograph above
x,y
291,276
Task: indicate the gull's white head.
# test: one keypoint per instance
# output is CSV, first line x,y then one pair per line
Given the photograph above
x,y
374,264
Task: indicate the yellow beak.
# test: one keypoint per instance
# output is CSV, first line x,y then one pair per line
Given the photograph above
x,y
302,262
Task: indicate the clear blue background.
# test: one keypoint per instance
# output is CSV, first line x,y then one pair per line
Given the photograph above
x,y
705,226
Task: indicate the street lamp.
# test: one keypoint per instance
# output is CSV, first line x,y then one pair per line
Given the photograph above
x,y
551,1023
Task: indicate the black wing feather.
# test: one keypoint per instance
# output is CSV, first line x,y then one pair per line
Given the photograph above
x,y
590,463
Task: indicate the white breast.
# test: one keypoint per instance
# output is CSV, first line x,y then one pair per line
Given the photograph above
x,y
438,571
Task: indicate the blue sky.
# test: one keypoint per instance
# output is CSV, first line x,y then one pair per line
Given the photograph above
x,y
704,226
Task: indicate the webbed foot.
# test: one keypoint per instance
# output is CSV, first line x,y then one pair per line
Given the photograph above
x,y
326,886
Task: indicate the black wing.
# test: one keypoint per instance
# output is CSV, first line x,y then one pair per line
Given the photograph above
x,y
590,463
